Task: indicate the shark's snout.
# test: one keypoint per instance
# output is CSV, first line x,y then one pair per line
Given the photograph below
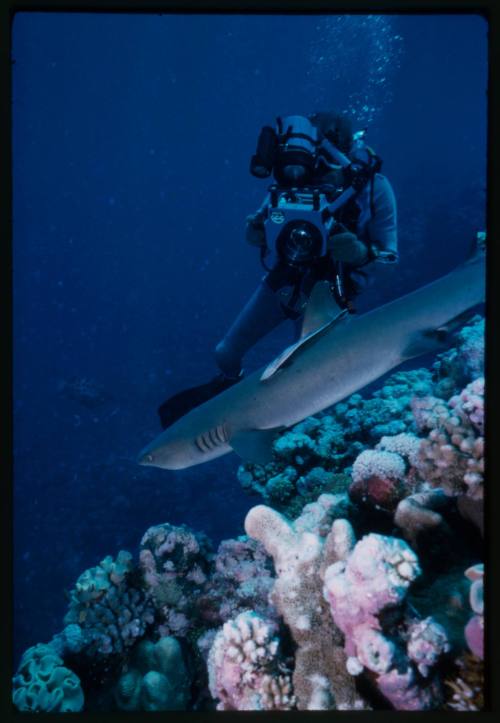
x,y
145,458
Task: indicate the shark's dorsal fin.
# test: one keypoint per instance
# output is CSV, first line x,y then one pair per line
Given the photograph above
x,y
286,356
255,445
320,310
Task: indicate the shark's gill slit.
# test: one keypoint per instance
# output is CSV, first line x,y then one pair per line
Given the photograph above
x,y
201,443
221,433
214,437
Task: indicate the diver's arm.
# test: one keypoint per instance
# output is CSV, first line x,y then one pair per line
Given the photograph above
x,y
345,246
254,233
382,229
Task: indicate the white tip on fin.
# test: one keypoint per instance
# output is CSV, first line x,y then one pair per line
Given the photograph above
x,y
286,356
321,308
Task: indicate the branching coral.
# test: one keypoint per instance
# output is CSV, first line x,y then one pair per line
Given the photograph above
x,y
244,667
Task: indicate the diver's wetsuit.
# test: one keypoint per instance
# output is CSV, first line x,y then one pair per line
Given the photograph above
x,y
372,216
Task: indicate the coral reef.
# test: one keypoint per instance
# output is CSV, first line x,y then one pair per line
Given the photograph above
x,y
452,454
366,592
458,366
378,477
322,605
43,684
175,563
155,678
111,611
244,667
300,552
315,456
474,630
465,685
242,578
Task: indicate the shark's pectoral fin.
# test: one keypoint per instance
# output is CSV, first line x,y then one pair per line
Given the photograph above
x,y
286,356
321,309
255,445
436,339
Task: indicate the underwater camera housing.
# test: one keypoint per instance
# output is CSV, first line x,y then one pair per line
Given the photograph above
x,y
297,223
290,151
298,213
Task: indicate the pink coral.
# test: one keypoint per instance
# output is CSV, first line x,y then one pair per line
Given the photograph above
x,y
244,667
301,550
452,455
242,580
378,479
372,581
176,563
474,630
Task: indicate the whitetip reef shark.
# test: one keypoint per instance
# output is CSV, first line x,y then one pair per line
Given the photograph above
x,y
335,357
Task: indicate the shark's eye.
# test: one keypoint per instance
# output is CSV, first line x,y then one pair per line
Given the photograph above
x,y
149,458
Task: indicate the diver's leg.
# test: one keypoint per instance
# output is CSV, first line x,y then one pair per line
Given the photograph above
x,y
261,314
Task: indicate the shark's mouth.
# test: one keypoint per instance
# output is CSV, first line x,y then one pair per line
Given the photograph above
x,y
213,438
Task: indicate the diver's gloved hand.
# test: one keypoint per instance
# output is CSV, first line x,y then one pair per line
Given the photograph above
x,y
347,247
255,234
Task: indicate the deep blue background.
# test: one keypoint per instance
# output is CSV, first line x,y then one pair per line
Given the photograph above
x,y
132,139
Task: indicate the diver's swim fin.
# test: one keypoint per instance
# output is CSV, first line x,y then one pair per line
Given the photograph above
x,y
181,403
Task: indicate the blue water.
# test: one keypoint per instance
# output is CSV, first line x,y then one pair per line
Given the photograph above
x,y
132,140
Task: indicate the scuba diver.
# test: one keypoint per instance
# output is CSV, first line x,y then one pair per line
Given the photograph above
x,y
329,217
